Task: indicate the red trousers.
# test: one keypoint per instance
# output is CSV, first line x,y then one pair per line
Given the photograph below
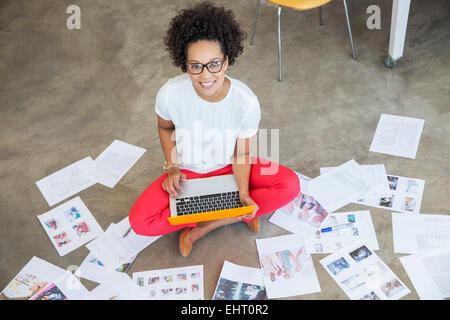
x,y
149,213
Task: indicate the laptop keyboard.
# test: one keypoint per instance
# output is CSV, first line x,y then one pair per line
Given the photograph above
x,y
209,202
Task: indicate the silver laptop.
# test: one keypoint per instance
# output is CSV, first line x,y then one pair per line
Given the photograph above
x,y
206,195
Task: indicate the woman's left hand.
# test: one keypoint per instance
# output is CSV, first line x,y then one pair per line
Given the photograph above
x,y
246,200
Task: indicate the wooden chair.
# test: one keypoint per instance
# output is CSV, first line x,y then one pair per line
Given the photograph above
x,y
301,5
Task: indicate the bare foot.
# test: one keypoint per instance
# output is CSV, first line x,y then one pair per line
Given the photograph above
x,y
206,227
197,232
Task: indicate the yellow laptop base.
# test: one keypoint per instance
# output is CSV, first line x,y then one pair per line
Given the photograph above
x,y
212,215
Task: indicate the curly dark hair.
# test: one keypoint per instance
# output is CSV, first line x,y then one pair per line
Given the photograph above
x,y
204,21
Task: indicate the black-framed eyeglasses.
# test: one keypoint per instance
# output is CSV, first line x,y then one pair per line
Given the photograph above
x,y
197,68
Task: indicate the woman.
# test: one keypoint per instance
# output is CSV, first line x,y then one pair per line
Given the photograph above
x,y
206,121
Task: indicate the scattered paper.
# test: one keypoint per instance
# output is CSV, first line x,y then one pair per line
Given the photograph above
x,y
299,217
340,229
405,195
378,172
422,232
33,277
287,269
119,244
67,182
429,273
239,283
70,225
185,283
65,287
362,274
115,161
393,192
341,185
118,287
302,213
94,270
397,136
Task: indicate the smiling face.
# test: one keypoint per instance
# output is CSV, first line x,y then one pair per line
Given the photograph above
x,y
212,87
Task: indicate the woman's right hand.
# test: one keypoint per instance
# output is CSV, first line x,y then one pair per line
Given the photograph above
x,y
172,183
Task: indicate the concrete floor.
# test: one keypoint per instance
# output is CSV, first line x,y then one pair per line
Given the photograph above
x,y
67,94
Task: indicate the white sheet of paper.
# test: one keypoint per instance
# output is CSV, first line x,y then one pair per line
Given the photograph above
x,y
422,232
350,226
118,287
405,195
397,136
115,161
70,225
287,269
429,273
119,245
65,287
239,283
31,279
185,283
67,182
341,185
378,172
302,214
362,274
94,270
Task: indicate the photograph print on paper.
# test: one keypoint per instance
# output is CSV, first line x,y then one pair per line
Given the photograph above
x,y
360,254
338,266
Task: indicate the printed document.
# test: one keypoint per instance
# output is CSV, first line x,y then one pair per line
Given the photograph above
x,y
378,172
70,225
185,283
430,273
118,287
340,229
94,270
33,277
65,287
422,232
119,245
287,269
302,214
341,185
239,283
114,162
405,195
362,274
397,136
67,182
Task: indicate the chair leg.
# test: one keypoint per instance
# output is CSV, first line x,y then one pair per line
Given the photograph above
x,y
320,16
279,44
349,29
254,21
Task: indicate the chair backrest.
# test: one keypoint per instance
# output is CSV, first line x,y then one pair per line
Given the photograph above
x,y
300,4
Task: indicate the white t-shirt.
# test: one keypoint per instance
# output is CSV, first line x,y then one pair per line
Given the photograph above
x,y
206,132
